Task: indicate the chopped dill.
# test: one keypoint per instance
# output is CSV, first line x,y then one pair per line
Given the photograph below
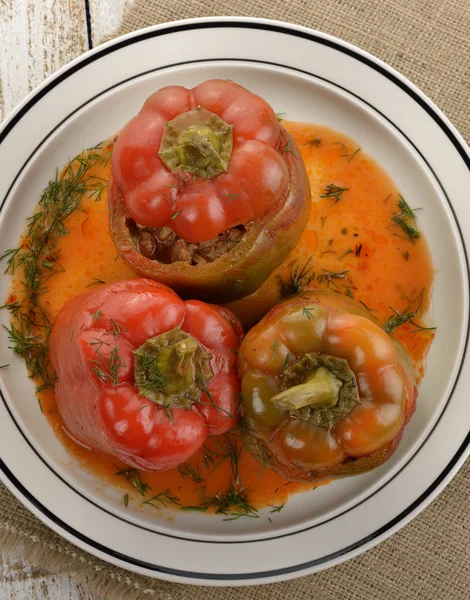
x,y
334,191
369,310
344,150
126,500
228,449
37,257
288,359
133,476
274,349
276,509
148,376
414,310
288,148
279,116
108,367
307,311
229,197
95,281
117,328
398,319
299,276
353,155
163,499
283,485
402,220
234,504
187,470
96,316
264,461
348,251
330,276
358,250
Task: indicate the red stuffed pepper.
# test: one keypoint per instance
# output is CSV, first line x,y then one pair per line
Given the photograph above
x,y
327,393
208,193
143,375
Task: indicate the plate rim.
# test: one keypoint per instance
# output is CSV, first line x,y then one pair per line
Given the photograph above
x,y
458,142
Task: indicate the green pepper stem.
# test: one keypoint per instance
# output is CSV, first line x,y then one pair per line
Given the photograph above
x,y
167,369
319,390
197,141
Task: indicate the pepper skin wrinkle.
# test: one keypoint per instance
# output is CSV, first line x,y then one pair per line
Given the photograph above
x,y
208,164
142,375
327,393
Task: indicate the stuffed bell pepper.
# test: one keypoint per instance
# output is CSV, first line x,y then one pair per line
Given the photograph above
x,y
208,192
327,393
142,375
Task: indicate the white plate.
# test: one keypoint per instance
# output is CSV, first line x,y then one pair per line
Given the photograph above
x,y
312,77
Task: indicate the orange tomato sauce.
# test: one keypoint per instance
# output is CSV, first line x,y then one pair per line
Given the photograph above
x,y
354,236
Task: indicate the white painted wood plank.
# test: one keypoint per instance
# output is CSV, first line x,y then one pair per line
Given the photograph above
x,y
21,581
106,16
37,37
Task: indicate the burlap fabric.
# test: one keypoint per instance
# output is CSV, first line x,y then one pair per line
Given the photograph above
x,y
428,41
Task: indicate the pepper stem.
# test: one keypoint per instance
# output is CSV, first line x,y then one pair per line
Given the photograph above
x,y
319,390
170,369
197,141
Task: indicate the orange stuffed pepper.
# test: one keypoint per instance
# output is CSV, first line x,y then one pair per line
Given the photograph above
x,y
327,393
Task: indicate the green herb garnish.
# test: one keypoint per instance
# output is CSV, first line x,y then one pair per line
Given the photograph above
x,y
334,191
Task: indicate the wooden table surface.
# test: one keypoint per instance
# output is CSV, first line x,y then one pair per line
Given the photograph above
x,y
37,37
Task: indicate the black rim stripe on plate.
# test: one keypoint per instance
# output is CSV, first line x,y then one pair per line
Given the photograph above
x,y
457,145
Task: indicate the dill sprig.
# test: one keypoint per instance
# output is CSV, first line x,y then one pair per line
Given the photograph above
x,y
409,315
299,277
234,504
149,377
353,155
369,309
348,251
108,367
163,499
330,276
117,328
264,461
308,311
37,259
201,380
288,149
344,150
228,449
334,191
302,276
402,220
187,470
133,476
